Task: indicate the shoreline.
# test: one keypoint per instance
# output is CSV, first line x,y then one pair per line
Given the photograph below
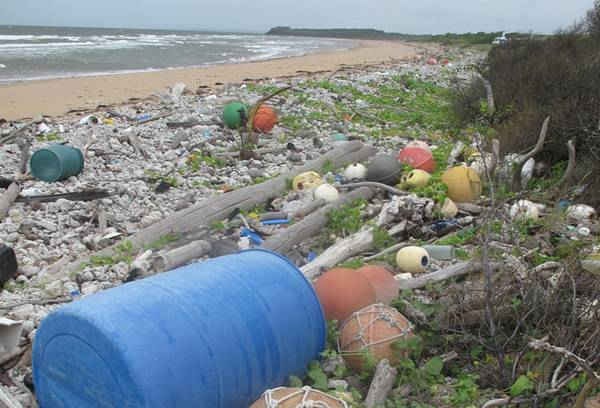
x,y
58,96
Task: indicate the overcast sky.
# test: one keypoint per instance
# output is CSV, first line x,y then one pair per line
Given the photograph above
x,y
406,16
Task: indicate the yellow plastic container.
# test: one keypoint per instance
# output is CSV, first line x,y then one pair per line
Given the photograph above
x,y
464,184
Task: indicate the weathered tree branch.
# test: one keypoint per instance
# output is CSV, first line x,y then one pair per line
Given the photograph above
x,y
381,186
574,358
339,252
460,269
520,161
571,166
382,384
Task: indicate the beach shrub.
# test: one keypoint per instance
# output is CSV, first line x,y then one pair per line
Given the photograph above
x,y
556,76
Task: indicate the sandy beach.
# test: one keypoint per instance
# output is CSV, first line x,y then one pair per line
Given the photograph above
x,y
57,96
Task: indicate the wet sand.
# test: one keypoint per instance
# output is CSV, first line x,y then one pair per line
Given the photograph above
x,y
55,97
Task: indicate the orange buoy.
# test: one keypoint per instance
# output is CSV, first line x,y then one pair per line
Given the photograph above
x,y
284,397
371,332
265,119
342,292
382,280
417,158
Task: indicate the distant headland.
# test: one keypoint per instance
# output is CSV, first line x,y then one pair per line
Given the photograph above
x,y
372,34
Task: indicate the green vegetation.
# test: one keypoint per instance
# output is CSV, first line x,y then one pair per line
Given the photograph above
x,y
195,161
123,253
48,137
381,239
463,39
161,242
155,177
346,219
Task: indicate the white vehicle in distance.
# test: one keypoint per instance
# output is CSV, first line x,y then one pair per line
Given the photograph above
x,y
500,40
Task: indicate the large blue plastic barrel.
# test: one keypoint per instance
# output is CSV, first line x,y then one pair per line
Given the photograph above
x,y
212,334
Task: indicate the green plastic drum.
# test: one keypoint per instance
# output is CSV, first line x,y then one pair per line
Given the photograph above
x,y
56,162
232,114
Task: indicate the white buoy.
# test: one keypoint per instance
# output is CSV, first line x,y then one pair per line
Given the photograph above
x,y
580,213
355,171
326,192
412,259
524,210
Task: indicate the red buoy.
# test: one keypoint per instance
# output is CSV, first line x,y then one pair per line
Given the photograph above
x,y
417,158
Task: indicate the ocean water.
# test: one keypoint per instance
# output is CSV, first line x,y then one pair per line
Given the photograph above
x,y
28,53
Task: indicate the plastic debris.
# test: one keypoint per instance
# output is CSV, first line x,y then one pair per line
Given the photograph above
x,y
524,210
382,280
417,158
355,171
464,184
441,252
580,213
373,330
8,264
265,119
343,291
306,181
412,259
449,209
234,114
326,192
56,162
416,178
339,137
384,169
283,397
89,120
10,332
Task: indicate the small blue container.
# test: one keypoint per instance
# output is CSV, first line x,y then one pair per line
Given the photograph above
x,y
212,334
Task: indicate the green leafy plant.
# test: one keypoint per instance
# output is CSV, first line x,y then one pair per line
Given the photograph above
x,y
522,386
162,242
317,376
346,219
466,390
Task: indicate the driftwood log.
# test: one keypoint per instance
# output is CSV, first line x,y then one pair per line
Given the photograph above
x,y
382,384
8,400
520,161
339,252
180,256
460,269
85,195
311,225
220,207
8,198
